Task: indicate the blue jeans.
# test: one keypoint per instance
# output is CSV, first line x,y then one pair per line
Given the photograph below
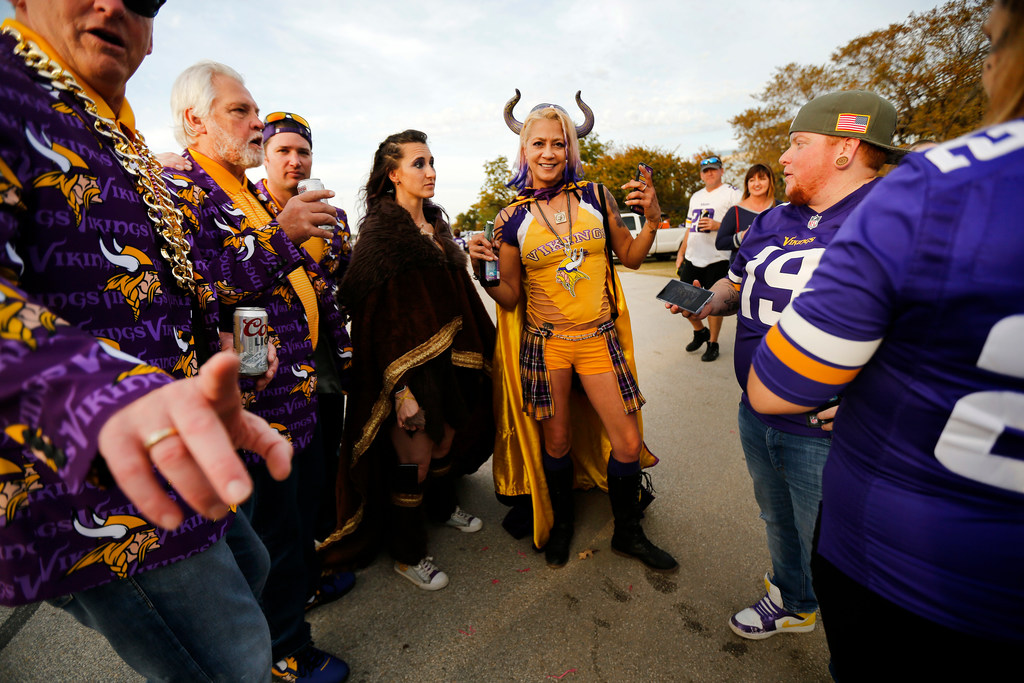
x,y
283,513
786,470
194,620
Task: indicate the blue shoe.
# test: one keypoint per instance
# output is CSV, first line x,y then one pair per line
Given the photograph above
x,y
331,588
310,664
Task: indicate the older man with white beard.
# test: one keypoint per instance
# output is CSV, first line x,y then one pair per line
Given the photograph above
x,y
253,247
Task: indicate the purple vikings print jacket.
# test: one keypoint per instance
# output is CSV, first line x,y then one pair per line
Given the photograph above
x,y
249,266
90,320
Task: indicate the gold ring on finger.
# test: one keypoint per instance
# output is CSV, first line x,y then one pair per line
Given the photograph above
x,y
158,436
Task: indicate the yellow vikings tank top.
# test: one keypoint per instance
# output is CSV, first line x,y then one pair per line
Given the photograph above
x,y
565,284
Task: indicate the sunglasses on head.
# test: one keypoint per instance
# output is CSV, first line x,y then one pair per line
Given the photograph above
x,y
145,8
710,160
279,116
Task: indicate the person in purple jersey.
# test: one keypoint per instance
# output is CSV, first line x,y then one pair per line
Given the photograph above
x,y
115,479
838,142
259,256
916,314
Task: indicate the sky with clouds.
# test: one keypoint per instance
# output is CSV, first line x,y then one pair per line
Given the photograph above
x,y
666,74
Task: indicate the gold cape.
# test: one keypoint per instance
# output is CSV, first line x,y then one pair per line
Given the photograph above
x,y
517,465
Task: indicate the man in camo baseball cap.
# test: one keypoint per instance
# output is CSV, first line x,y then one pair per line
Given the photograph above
x,y
851,114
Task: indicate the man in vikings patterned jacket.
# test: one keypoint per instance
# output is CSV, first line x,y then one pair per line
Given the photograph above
x,y
251,247
95,326
288,160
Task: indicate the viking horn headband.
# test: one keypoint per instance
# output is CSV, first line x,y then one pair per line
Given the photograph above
x,y
516,126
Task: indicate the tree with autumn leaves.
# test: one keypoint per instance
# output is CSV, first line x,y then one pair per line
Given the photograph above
x,y
928,66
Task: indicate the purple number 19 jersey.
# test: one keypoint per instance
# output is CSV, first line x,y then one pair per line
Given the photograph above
x,y
920,302
778,256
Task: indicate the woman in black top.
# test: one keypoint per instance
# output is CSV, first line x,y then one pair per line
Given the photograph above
x,y
758,196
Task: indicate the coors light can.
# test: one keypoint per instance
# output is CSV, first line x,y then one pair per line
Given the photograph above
x,y
251,339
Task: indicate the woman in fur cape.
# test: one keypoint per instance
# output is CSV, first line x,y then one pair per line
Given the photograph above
x,y
419,413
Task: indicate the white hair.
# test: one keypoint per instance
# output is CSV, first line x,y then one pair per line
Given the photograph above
x,y
194,90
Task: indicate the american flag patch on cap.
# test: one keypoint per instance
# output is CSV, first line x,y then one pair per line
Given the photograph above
x,y
853,123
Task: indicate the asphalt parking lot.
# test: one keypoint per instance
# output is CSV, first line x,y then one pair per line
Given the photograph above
x,y
506,616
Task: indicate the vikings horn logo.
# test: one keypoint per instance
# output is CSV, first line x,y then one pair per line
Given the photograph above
x,y
184,188
20,318
15,260
307,380
226,293
187,363
40,446
139,283
568,273
10,187
14,492
80,189
286,293
113,349
132,538
244,244
58,105
282,430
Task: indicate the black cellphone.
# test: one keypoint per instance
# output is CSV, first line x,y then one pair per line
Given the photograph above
x,y
639,176
685,296
812,416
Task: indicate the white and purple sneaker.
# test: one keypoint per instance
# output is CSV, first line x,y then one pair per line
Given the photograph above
x,y
767,617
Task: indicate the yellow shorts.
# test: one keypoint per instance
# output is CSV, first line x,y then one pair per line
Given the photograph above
x,y
588,356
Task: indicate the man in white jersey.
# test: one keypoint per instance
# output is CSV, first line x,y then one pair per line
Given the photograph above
x,y
698,259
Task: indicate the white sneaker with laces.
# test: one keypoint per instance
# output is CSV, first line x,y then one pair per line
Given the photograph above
x,y
465,522
767,617
425,574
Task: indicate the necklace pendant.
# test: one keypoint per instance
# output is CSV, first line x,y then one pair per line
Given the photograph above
x,y
561,217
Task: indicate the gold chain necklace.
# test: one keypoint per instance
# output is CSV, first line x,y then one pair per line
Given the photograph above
x,y
135,158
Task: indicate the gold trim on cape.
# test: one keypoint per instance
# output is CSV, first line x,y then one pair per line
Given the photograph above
x,y
516,463
428,350
382,407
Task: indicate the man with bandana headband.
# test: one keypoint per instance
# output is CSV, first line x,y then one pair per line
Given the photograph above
x,y
288,160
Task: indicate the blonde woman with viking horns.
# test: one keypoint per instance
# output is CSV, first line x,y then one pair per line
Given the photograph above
x,y
561,312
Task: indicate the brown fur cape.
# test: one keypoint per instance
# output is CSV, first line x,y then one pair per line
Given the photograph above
x,y
417,320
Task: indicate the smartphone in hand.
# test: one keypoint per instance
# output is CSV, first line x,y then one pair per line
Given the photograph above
x,y
685,296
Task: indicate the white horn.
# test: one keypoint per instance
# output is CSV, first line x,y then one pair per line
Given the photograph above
x,y
129,263
47,151
112,531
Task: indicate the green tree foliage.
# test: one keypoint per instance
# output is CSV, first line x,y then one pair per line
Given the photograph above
x,y
928,66
592,149
494,196
675,178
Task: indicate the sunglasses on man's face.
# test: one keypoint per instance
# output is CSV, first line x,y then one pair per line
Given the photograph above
x,y
145,8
